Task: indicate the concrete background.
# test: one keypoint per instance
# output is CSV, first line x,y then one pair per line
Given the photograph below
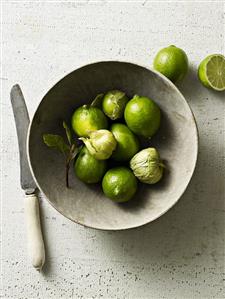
x,y
181,255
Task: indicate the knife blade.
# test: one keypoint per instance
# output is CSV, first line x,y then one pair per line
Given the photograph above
x,y
22,124
32,214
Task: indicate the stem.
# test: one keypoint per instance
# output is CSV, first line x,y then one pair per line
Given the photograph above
x,y
68,160
67,174
97,102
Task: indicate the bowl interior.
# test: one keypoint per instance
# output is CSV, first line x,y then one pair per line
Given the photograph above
x,y
176,141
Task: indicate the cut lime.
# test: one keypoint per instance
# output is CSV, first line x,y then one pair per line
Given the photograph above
x,y
211,72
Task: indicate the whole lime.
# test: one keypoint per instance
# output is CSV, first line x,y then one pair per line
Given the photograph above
x,y
142,116
172,62
86,119
88,169
114,103
127,143
119,184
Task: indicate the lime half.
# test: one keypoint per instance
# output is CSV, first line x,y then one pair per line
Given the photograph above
x,y
211,72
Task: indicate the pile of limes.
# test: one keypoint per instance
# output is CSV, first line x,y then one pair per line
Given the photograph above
x,y
117,122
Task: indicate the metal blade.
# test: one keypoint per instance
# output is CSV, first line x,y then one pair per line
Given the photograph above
x,y
22,123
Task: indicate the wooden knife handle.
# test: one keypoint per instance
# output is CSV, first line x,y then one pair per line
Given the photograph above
x,y
34,234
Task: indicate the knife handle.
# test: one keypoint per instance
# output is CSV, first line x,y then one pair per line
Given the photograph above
x,y
34,234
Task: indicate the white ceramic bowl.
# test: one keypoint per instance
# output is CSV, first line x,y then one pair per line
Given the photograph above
x,y
177,142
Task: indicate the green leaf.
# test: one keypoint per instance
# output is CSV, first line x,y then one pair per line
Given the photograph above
x,y
97,102
57,142
68,132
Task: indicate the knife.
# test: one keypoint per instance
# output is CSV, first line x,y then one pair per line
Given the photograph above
x,y
34,234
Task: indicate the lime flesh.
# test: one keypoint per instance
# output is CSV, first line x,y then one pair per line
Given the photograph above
x,y
211,72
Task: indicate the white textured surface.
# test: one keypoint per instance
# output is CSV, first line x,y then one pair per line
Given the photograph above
x,y
181,255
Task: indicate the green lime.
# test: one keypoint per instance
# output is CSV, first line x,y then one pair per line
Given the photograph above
x,y
172,62
211,72
86,119
119,184
88,169
142,116
127,143
114,103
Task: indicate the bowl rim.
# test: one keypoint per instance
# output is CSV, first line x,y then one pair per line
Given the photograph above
x,y
172,85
